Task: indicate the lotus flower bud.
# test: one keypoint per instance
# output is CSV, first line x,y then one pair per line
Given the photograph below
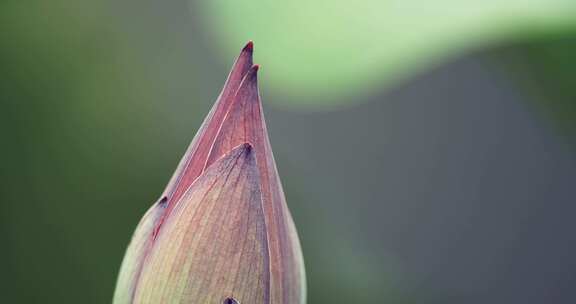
x,y
221,231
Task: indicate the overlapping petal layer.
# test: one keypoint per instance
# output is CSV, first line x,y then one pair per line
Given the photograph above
x,y
221,227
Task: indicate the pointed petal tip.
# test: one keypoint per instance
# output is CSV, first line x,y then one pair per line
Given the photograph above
x,y
252,72
249,46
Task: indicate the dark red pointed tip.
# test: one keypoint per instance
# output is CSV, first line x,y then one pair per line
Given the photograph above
x,y
252,73
247,147
249,46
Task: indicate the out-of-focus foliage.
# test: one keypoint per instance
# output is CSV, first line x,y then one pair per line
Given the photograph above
x,y
337,48
77,96
546,69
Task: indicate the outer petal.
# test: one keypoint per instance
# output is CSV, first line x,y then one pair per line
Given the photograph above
x,y
192,163
213,245
188,170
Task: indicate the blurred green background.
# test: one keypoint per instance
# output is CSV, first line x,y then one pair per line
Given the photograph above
x,y
426,147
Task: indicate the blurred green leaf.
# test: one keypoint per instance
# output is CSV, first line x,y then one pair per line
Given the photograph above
x,y
545,69
334,49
